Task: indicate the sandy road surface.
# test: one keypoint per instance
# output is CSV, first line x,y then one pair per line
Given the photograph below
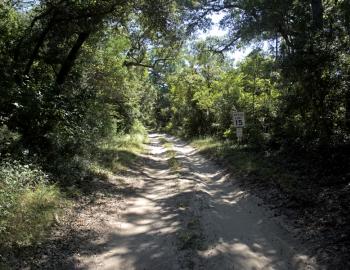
x,y
194,217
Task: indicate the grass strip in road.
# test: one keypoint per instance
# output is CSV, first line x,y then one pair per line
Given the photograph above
x,y
191,237
173,162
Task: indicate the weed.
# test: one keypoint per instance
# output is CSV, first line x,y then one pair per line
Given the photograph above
x,y
189,240
182,205
28,200
163,141
192,237
174,163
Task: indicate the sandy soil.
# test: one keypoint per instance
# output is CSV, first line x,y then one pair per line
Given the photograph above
x,y
195,217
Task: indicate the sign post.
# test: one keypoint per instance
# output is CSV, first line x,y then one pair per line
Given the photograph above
x,y
239,123
239,133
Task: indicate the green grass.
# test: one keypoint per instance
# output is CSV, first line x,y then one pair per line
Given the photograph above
x,y
28,204
247,163
101,163
163,141
189,239
174,163
118,154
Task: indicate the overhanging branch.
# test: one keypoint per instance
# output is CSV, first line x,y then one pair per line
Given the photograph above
x,y
146,65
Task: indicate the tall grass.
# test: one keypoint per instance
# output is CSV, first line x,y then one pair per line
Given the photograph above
x,y
105,158
28,204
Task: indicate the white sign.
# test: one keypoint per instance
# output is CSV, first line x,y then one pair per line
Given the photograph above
x,y
239,132
238,119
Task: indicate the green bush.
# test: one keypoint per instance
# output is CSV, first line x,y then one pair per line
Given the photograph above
x,y
28,204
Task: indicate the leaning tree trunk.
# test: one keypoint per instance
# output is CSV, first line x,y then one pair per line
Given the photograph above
x,y
72,56
347,112
317,14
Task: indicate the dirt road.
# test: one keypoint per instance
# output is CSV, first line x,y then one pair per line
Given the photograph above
x,y
194,217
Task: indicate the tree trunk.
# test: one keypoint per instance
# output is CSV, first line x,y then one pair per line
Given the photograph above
x,y
347,112
317,14
72,56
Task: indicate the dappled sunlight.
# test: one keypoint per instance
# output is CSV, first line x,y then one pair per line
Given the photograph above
x,y
145,233
248,237
240,255
252,256
192,216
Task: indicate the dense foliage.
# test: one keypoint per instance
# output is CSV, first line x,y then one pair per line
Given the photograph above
x,y
204,95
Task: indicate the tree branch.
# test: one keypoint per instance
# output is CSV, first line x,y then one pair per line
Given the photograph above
x,y
140,64
213,8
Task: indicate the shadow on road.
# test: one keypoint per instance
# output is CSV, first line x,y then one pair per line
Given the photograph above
x,y
192,218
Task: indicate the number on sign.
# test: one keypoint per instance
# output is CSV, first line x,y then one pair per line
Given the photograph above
x,y
239,122
238,119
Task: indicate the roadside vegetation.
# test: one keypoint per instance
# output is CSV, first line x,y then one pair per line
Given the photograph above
x,y
118,153
311,197
33,204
